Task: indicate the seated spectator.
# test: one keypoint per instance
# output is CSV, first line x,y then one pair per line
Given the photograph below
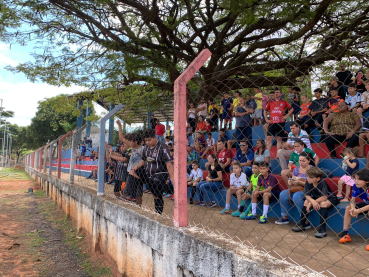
x,y
93,174
361,190
196,176
353,98
189,130
200,129
359,81
231,143
261,154
238,183
299,147
167,140
270,194
304,116
224,157
199,143
210,142
170,145
191,156
83,150
213,182
296,101
343,127
244,157
295,190
241,212
213,116
350,164
318,107
332,103
340,87
363,138
364,102
288,147
221,137
320,197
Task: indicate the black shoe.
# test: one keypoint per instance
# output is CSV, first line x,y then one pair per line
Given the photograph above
x,y
342,234
333,156
298,228
191,201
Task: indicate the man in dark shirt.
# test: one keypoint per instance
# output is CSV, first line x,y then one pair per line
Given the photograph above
x,y
344,76
318,108
342,89
158,164
153,122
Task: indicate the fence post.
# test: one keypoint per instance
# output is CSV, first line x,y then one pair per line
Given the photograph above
x,y
51,157
45,157
41,150
75,136
180,171
33,159
60,150
100,167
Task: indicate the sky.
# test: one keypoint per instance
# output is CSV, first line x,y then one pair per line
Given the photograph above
x,y
18,93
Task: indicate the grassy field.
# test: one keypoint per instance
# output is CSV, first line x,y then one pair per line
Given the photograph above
x,y
11,174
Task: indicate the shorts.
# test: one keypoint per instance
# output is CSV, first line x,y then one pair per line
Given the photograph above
x,y
276,129
135,187
227,115
361,205
258,113
118,186
156,184
348,180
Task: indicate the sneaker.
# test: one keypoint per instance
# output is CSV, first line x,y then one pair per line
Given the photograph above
x,y
345,239
236,214
168,195
342,234
212,204
307,226
225,211
298,228
190,201
321,234
201,203
250,217
367,247
243,215
282,221
263,220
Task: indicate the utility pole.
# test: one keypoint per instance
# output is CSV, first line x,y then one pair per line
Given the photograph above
x,y
6,149
10,149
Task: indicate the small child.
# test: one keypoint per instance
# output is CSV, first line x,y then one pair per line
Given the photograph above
x,y
349,164
195,177
353,99
238,183
320,197
210,142
361,190
248,193
269,194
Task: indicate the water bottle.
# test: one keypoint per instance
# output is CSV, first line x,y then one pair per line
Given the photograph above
x,y
344,164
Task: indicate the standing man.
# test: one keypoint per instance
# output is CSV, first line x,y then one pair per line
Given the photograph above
x,y
344,76
153,121
243,123
277,119
158,165
227,110
202,109
160,130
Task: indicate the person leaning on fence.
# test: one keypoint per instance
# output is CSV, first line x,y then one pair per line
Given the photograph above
x,y
277,109
349,164
270,194
241,212
319,197
213,182
295,190
344,126
158,164
361,190
196,176
120,173
238,183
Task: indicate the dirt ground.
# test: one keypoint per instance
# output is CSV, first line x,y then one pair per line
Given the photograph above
x,y
36,239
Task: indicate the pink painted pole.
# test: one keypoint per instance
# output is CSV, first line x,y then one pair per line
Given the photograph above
x,y
60,150
33,162
180,169
40,168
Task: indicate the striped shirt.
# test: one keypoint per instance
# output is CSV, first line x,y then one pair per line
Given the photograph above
x,y
302,135
156,158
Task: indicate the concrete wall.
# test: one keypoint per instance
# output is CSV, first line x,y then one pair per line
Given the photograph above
x,y
142,243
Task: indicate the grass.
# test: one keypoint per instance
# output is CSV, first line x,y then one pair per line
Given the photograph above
x,y
40,193
24,261
36,240
14,174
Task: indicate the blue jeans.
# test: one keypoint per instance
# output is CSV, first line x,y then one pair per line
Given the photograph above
x,y
244,133
284,200
160,138
205,187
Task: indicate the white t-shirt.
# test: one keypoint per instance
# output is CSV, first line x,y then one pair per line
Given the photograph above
x,y
204,112
192,113
240,181
196,174
210,142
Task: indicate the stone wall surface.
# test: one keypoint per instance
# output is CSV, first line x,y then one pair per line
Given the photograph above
x,y
141,244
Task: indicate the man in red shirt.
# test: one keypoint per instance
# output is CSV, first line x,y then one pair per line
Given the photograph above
x,y
160,130
224,156
277,119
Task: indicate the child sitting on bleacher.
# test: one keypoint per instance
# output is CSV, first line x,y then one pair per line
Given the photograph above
x,y
210,142
349,164
320,197
248,193
361,190
270,194
237,185
364,102
353,99
196,176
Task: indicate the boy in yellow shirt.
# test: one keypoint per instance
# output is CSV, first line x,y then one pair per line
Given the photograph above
x,y
258,114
